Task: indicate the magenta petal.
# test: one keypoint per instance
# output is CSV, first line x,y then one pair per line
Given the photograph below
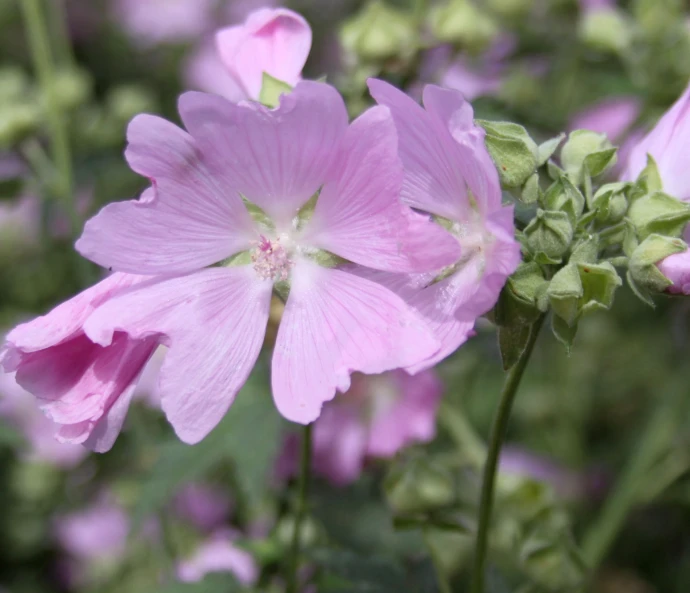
x,y
192,220
274,41
276,158
213,323
336,323
358,214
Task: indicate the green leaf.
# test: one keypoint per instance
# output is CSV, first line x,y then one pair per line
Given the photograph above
x,y
564,333
248,436
659,213
546,149
512,150
530,191
271,90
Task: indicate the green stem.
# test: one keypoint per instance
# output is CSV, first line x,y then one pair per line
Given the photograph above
x,y
300,510
442,582
626,493
39,44
498,432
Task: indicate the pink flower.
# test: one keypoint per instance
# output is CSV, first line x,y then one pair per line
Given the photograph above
x,y
213,320
205,71
676,268
612,117
81,386
18,406
377,417
98,532
203,506
219,554
592,5
275,41
150,22
668,144
449,173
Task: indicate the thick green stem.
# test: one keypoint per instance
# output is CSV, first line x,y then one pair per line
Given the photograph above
x,y
498,432
300,510
39,44
625,495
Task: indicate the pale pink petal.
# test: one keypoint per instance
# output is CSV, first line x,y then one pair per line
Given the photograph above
x,y
191,221
676,268
410,417
276,158
213,323
358,215
471,81
218,554
433,181
63,322
612,117
204,71
275,41
668,144
336,323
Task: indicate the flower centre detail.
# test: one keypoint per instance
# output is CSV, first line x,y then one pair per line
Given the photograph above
x,y
271,260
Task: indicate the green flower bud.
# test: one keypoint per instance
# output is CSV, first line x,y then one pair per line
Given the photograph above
x,y
419,485
579,288
563,196
659,213
610,202
656,17
310,532
126,101
518,303
643,270
17,120
379,32
71,88
606,30
549,236
587,153
463,23
513,151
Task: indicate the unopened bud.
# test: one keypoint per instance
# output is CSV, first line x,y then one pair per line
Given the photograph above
x,y
463,23
71,88
513,151
17,120
610,202
587,153
659,213
563,196
606,30
126,101
661,264
419,485
549,235
379,32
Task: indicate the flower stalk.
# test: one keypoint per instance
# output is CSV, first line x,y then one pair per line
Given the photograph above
x,y
300,509
496,439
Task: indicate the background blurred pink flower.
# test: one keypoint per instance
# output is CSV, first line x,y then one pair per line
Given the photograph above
x,y
219,554
19,408
98,532
613,117
203,506
150,22
376,418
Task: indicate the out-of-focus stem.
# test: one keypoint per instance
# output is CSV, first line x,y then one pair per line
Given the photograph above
x,y
300,511
498,432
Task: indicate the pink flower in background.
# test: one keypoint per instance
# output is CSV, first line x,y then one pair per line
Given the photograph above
x,y
213,320
81,386
668,144
590,5
204,70
377,417
150,22
274,41
219,554
98,532
19,407
449,173
612,117
203,506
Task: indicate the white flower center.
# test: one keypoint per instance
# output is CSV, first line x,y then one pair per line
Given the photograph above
x,y
272,259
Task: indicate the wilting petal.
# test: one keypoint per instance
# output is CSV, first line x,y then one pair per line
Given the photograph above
x,y
336,323
187,221
274,41
213,323
276,158
359,216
